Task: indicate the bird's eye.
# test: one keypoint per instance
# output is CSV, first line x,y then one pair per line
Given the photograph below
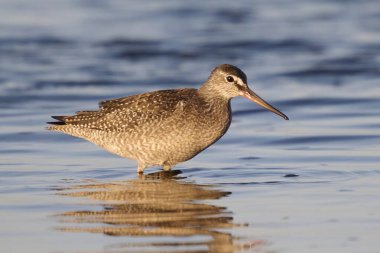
x,y
229,79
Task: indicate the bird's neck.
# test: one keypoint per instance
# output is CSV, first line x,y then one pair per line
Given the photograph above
x,y
215,102
210,93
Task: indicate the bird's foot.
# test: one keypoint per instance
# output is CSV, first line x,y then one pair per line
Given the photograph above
x,y
166,166
140,169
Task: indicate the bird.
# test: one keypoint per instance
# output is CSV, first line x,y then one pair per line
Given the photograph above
x,y
165,127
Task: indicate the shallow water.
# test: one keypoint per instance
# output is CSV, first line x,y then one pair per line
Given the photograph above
x,y
310,184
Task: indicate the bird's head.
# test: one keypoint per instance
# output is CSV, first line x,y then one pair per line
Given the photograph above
x,y
229,81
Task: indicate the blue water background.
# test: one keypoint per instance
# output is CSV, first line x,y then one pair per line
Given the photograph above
x,y
311,184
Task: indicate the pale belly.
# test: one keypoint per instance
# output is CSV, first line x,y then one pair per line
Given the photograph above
x,y
170,147
165,143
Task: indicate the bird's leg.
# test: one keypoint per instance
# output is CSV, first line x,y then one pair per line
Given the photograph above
x,y
166,166
140,168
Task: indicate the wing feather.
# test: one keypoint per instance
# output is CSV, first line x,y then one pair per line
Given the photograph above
x,y
128,113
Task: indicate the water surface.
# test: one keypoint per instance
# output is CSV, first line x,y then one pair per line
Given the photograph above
x,y
310,184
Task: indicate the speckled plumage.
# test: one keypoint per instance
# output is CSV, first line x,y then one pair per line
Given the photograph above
x,y
162,127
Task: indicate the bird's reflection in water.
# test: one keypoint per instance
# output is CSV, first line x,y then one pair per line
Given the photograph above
x,y
160,204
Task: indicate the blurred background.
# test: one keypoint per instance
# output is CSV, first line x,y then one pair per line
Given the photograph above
x,y
310,184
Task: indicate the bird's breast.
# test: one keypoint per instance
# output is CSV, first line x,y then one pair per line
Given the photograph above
x,y
206,123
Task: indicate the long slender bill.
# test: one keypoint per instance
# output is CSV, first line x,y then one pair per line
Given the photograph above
x,y
258,100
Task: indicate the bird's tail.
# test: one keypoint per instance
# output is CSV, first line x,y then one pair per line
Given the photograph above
x,y
61,120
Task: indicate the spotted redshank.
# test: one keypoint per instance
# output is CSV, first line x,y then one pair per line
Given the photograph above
x,y
163,127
